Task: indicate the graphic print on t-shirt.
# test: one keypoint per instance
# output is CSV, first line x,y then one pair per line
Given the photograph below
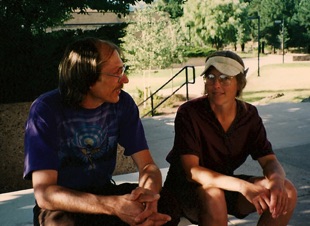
x,y
86,146
92,143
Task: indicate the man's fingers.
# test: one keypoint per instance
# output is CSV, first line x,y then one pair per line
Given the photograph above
x,y
160,217
143,216
152,223
153,219
143,195
148,198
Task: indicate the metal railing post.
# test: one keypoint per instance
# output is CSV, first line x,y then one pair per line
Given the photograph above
x,y
153,108
186,75
152,105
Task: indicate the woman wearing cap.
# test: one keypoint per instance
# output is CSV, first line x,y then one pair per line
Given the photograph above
x,y
214,135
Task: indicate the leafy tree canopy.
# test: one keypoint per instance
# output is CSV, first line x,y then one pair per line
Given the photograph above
x,y
294,14
303,13
173,7
216,22
151,40
37,15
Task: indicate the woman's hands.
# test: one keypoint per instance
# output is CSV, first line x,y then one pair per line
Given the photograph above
x,y
257,195
278,198
272,196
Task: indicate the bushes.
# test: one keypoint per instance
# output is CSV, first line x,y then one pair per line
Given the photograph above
x,y
198,52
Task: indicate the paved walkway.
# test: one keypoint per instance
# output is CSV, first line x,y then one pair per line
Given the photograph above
x,y
288,128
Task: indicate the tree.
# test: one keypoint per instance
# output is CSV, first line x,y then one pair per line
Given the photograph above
x,y
37,15
303,17
294,14
303,13
151,40
173,7
217,23
29,56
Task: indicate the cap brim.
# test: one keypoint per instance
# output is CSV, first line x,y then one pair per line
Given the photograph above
x,y
224,65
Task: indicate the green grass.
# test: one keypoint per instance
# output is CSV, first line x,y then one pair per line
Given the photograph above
x,y
290,79
154,79
265,97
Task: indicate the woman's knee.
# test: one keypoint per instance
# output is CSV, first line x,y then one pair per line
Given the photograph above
x,y
212,198
292,193
211,193
212,206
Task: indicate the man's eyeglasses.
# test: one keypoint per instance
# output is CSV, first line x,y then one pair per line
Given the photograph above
x,y
224,80
120,74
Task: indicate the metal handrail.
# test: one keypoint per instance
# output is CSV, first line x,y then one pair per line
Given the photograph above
x,y
153,108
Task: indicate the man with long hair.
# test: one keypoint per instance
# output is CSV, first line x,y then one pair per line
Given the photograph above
x,y
71,140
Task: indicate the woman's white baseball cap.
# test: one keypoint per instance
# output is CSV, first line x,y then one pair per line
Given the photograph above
x,y
226,62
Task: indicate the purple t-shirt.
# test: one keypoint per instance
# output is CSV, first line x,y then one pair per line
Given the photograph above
x,y
198,132
81,144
